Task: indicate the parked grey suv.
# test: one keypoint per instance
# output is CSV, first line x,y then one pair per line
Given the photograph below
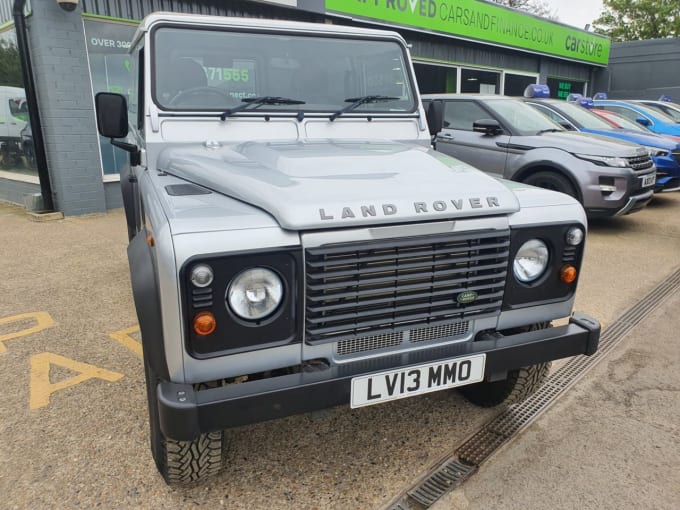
x,y
509,139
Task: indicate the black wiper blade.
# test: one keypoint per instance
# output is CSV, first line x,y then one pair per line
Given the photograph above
x,y
358,101
551,130
255,102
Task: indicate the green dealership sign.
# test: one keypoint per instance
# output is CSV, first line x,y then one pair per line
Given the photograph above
x,y
473,19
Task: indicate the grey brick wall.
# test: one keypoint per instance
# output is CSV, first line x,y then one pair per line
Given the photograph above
x,y
114,198
14,191
62,79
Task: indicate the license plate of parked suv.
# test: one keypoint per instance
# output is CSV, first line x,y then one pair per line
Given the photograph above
x,y
648,180
406,382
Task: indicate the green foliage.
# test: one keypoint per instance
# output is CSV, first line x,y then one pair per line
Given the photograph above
x,y
632,20
10,65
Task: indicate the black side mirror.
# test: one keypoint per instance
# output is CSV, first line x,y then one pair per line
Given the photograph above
x,y
487,126
435,116
643,121
112,122
112,118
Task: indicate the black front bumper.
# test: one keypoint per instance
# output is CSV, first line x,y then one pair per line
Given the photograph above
x,y
185,413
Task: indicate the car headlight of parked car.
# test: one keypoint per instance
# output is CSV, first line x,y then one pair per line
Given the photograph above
x,y
604,160
655,152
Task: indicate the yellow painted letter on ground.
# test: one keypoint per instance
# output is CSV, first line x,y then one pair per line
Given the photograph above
x,y
42,388
123,337
43,321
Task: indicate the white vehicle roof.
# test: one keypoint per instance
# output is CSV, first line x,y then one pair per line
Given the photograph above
x,y
257,23
13,91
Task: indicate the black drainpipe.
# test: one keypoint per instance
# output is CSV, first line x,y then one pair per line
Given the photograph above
x,y
32,99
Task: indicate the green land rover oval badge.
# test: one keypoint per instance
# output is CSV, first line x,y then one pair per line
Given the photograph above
x,y
467,297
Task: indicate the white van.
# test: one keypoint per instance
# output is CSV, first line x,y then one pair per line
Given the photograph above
x,y
13,119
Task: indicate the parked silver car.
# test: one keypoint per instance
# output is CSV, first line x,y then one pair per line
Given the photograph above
x,y
507,138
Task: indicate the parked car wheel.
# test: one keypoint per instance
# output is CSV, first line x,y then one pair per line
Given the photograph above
x,y
552,181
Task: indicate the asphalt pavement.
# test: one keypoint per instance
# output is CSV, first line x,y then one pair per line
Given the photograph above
x,y
73,420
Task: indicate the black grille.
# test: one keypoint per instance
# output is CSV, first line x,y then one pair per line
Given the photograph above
x,y
676,155
640,162
357,289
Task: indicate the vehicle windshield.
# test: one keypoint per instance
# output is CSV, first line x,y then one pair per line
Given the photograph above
x,y
624,122
522,118
583,117
217,69
670,109
655,113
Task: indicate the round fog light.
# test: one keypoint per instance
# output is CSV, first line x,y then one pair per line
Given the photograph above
x,y
574,236
255,293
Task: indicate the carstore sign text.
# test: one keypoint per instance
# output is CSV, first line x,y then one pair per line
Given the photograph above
x,y
484,22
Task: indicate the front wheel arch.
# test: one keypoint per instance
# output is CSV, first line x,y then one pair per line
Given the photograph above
x,y
527,172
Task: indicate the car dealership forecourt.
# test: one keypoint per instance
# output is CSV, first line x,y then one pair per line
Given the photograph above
x,y
296,239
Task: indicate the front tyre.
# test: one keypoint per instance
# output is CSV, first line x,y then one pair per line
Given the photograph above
x,y
181,462
517,387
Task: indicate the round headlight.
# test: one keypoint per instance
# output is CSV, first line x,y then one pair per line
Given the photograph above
x,y
255,293
201,276
530,261
574,236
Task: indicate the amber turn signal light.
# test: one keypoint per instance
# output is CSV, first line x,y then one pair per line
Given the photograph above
x,y
568,274
204,323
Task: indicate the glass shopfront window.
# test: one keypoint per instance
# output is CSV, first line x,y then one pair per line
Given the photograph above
x,y
435,79
561,88
17,154
516,83
110,67
478,81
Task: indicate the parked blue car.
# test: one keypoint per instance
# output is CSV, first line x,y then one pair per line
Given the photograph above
x,y
664,152
655,120
666,106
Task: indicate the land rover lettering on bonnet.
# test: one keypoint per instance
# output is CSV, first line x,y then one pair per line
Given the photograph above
x,y
296,244
367,211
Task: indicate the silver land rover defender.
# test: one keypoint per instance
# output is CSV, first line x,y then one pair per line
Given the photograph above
x,y
295,243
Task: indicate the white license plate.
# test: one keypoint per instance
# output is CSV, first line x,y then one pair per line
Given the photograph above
x,y
394,384
648,180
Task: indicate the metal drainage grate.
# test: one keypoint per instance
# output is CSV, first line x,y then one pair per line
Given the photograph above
x,y
500,430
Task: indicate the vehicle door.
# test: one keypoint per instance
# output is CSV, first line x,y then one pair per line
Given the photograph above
x,y
4,116
18,115
458,139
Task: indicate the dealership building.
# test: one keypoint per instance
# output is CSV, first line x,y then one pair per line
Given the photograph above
x,y
463,46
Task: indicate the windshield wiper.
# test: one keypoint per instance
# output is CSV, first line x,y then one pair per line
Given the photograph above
x,y
358,101
256,102
551,130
